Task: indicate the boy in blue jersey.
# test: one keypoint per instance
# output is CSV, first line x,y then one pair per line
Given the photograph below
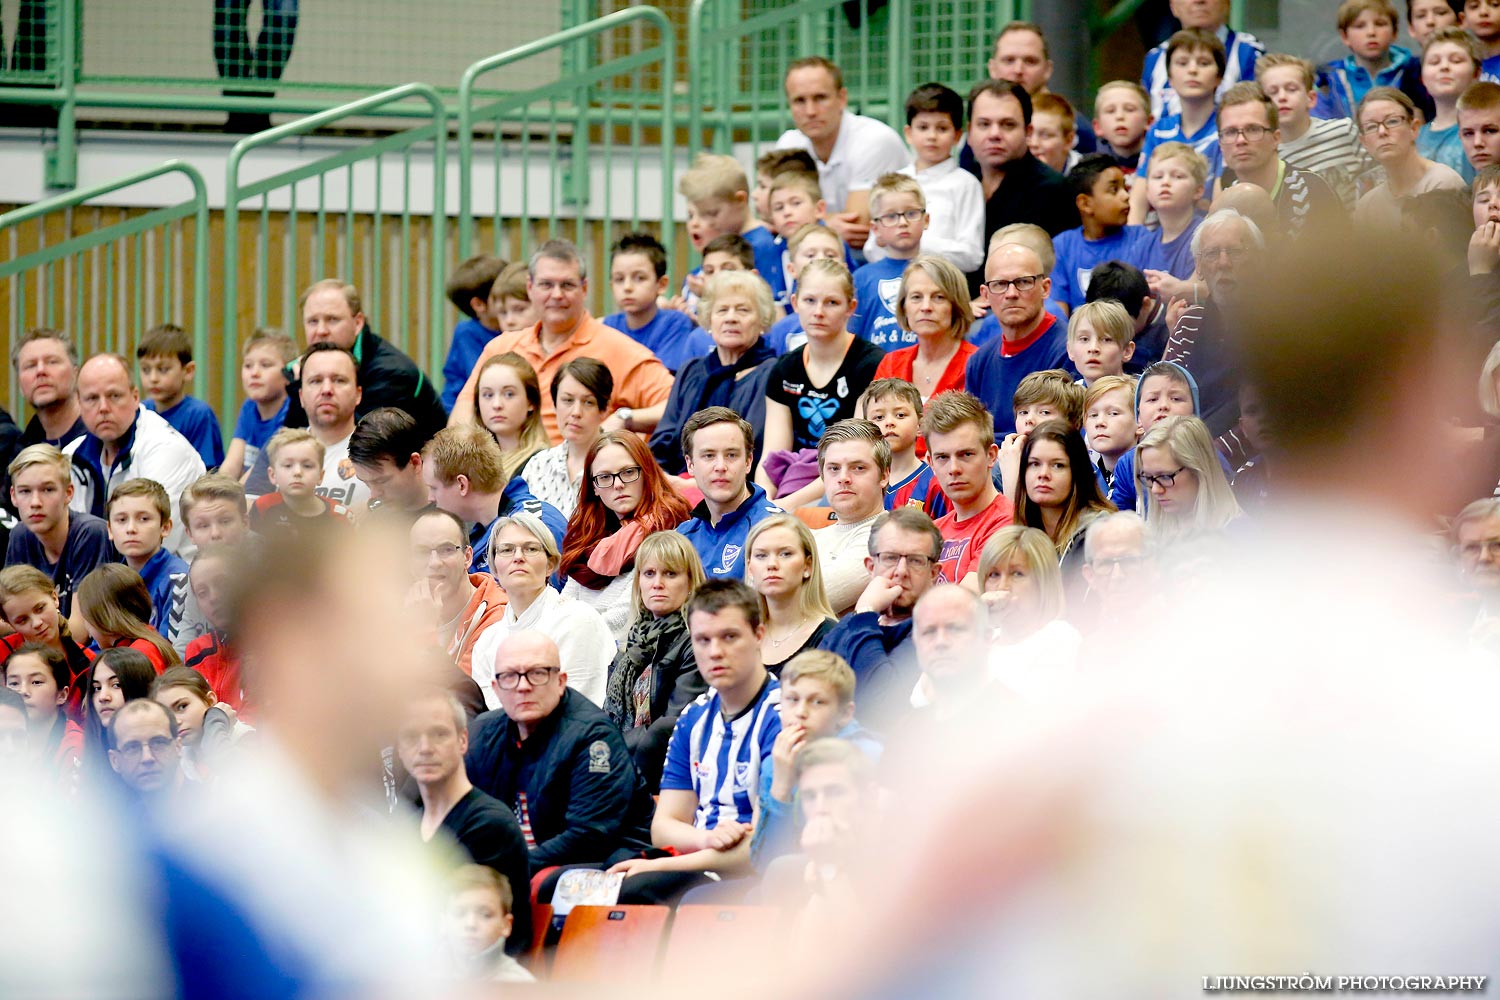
x,y
262,367
139,515
165,355
817,703
1102,195
1368,29
468,289
1482,19
1241,51
895,406
720,747
718,196
1101,338
1195,62
898,218
637,277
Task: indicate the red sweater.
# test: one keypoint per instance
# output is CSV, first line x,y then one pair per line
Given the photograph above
x,y
220,666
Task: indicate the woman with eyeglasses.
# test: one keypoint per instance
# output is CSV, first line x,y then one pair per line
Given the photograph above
x,y
1032,649
782,567
580,396
932,303
1388,128
625,497
1061,495
1187,492
655,676
523,557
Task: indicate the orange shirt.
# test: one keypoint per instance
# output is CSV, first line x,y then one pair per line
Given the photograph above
x,y
640,379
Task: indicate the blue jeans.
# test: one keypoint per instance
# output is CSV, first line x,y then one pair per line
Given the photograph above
x,y
237,58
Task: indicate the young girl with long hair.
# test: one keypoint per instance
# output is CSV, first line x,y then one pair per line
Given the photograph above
x,y
1059,493
781,565
29,604
508,404
116,606
1186,490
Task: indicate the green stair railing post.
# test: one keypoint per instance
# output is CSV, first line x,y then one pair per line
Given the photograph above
x,y
116,329
236,191
61,159
587,80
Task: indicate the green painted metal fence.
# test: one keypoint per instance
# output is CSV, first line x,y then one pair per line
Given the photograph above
x,y
374,215
105,275
738,51
571,155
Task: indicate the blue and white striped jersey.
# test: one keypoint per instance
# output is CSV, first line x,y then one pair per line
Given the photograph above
x,y
1241,49
720,759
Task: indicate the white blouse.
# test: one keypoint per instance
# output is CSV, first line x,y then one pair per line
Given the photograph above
x,y
584,644
546,475
612,602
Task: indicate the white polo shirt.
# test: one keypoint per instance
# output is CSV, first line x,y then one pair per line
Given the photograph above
x,y
865,149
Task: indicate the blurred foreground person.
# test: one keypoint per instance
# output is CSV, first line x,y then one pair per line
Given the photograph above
x,y
1292,772
325,894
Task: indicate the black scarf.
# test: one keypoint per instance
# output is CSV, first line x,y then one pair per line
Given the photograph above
x,y
649,637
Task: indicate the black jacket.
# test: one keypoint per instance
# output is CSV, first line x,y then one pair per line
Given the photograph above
x,y
1031,192
585,800
387,377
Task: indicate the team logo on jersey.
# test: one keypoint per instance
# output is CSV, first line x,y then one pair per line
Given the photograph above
x,y
598,757
888,289
741,774
842,388
346,469
731,553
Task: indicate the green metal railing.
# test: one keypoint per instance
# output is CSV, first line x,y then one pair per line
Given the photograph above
x,y
105,283
555,146
738,51
401,177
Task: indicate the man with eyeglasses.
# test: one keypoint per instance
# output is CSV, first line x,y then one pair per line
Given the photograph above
x,y
125,441
459,605
1475,534
1016,287
557,283
875,640
558,761
1228,247
332,313
1388,127
146,753
431,741
1118,570
1249,137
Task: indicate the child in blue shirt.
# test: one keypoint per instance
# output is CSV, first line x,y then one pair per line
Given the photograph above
x,y
718,196
637,276
1195,64
898,218
139,515
468,289
807,244
165,355
895,406
1103,197
1368,29
266,355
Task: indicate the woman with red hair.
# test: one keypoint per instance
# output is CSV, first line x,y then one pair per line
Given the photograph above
x,y
624,497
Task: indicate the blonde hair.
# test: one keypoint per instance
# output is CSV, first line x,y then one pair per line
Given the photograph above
x,y
42,454
1279,60
802,180
821,665
713,175
1196,163
533,437
483,878
889,184
1056,388
290,436
1455,35
1192,447
471,451
532,524
1135,89
22,579
794,242
1105,384
1048,103
834,270
812,599
1041,556
211,486
669,550
747,283
950,281
948,411
1107,317
1025,234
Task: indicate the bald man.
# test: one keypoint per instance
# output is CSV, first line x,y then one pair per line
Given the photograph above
x,y
558,761
126,441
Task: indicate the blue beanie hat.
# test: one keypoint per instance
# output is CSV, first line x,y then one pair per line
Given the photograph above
x,y
1177,370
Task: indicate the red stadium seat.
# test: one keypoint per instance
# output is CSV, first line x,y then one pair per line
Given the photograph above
x,y
610,944
705,938
541,920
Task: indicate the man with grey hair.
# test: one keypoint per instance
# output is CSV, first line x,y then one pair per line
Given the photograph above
x,y
557,283
332,312
1226,247
950,631
1476,541
1117,568
432,741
